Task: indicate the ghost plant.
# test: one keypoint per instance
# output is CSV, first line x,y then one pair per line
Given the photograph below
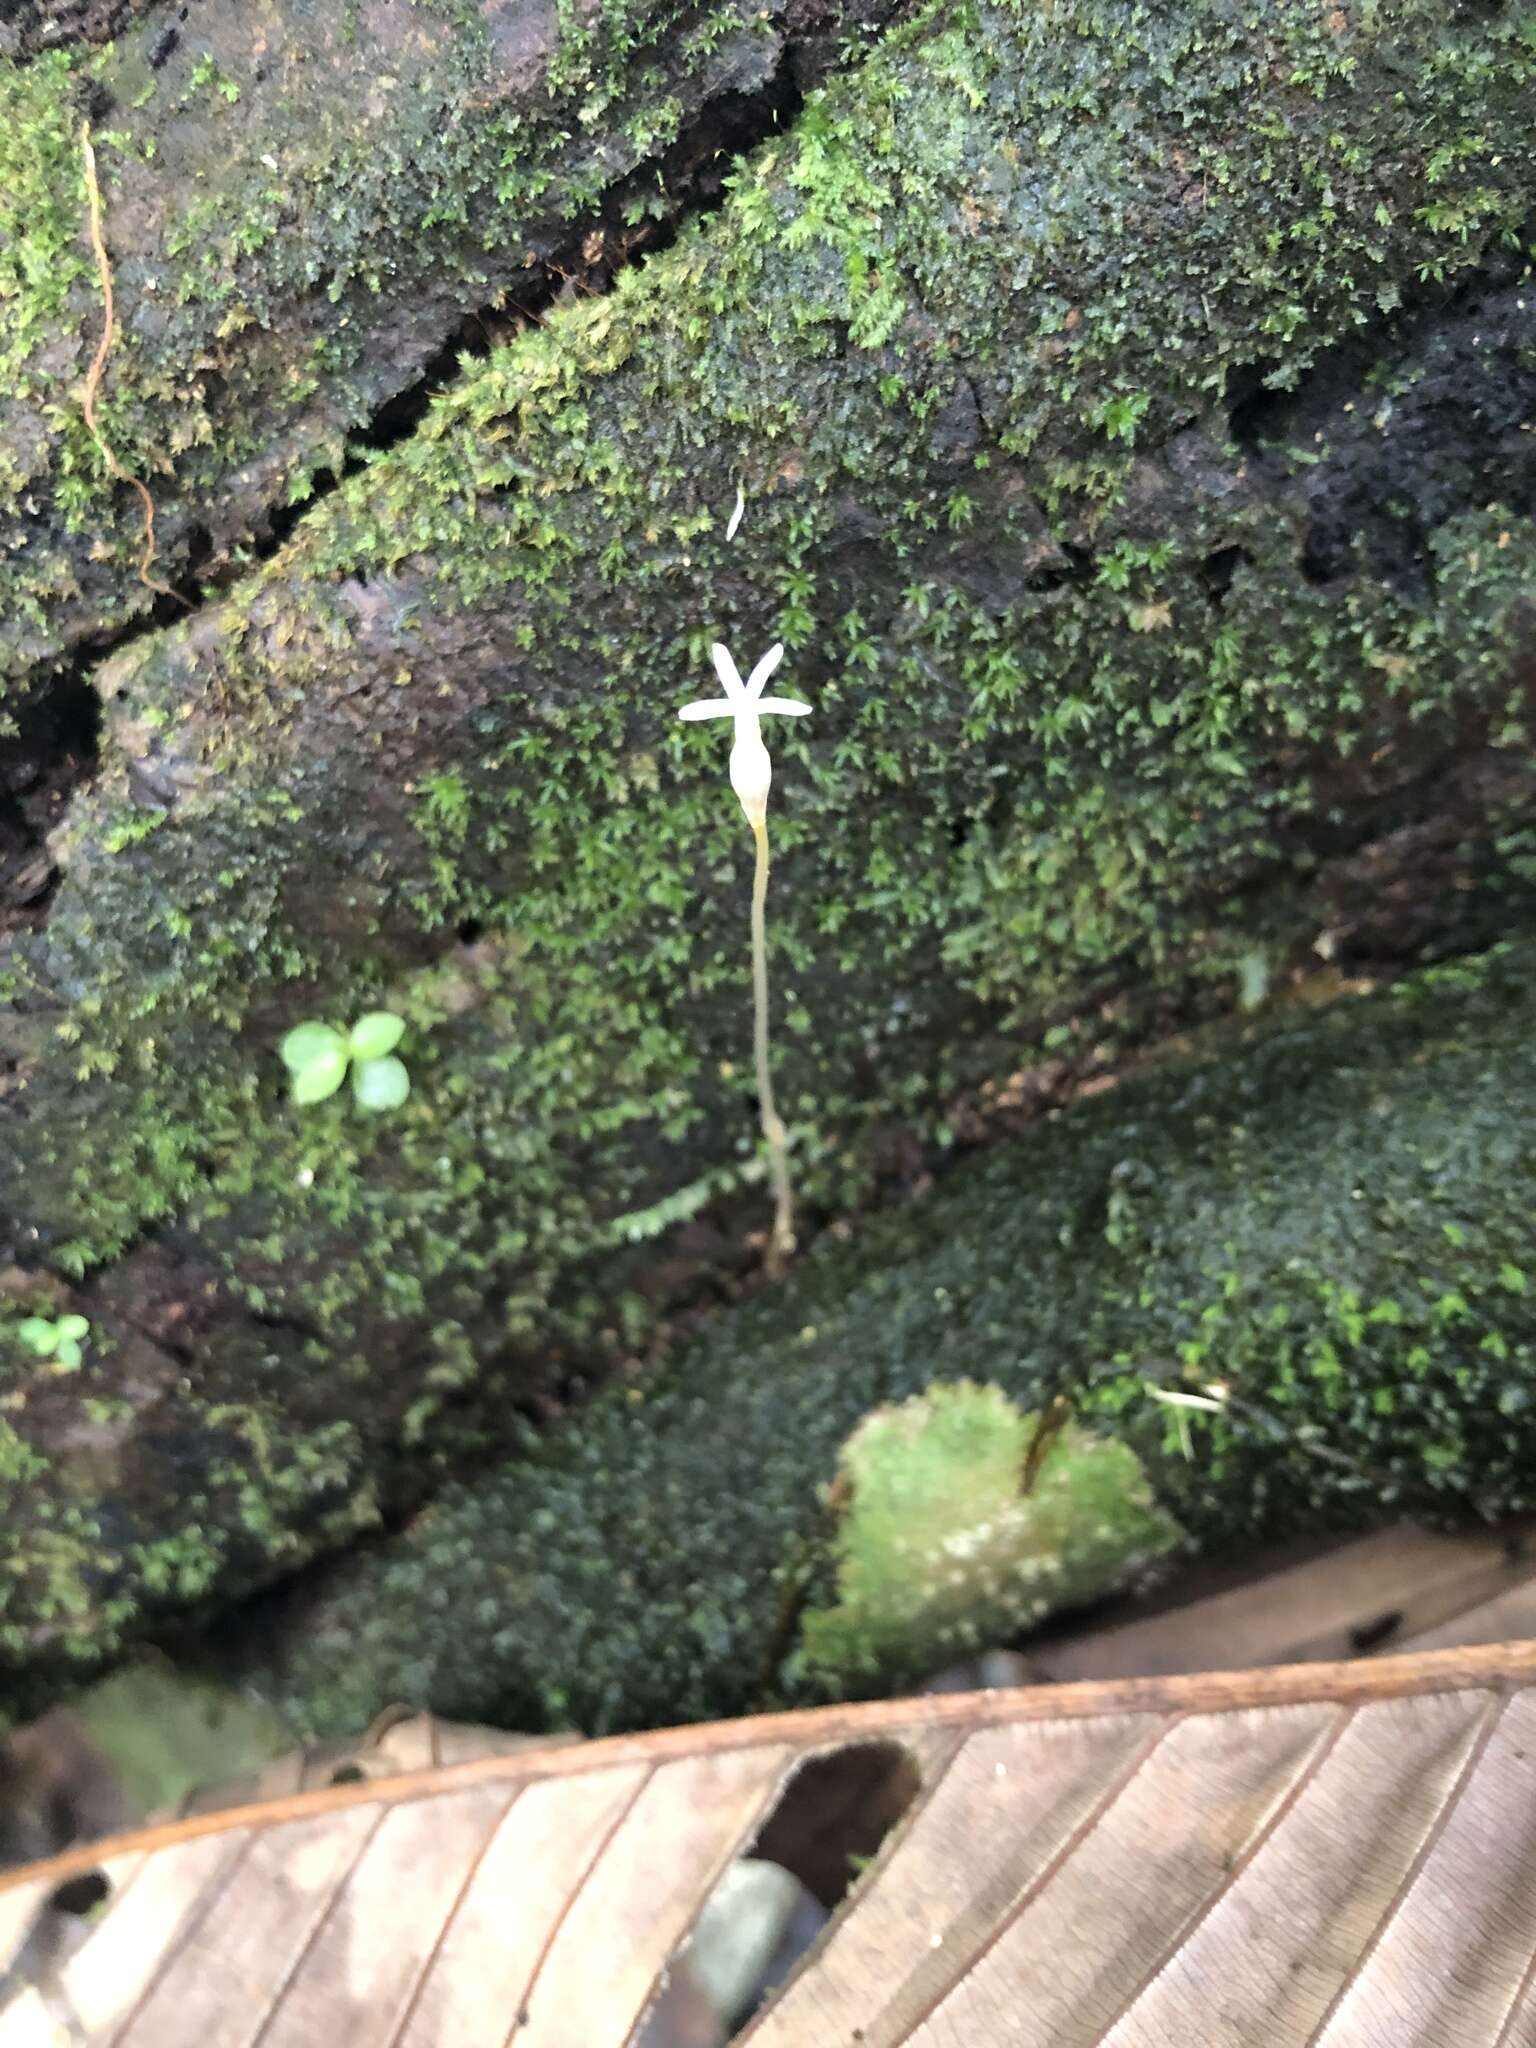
x,y
751,774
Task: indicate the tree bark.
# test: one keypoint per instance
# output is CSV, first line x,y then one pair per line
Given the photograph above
x,y
306,213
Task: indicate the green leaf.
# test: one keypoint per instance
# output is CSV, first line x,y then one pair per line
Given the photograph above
x,y
307,1043
73,1327
68,1354
38,1334
380,1084
322,1076
376,1034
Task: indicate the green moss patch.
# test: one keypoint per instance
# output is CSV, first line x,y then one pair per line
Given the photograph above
x,y
952,1535
296,228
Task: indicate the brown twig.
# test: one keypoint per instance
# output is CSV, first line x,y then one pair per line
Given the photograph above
x,y
93,376
1049,1424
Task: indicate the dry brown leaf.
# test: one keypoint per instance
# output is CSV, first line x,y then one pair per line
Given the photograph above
x,y
1324,1856
399,1741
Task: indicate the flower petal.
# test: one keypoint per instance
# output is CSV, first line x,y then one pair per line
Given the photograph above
x,y
789,704
735,518
765,669
727,671
709,707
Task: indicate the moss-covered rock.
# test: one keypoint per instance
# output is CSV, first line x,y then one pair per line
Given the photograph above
x,y
1331,1221
1142,666
167,1734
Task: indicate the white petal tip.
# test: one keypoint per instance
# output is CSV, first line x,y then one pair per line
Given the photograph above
x,y
726,670
765,669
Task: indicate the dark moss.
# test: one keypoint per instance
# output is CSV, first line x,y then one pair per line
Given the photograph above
x,y
1332,1220
27,26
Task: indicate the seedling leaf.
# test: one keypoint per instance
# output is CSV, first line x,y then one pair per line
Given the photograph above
x,y
307,1043
380,1084
322,1076
376,1034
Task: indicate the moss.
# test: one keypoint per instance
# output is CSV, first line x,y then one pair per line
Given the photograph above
x,y
963,1521
1332,1218
42,206
166,1733
966,338
42,262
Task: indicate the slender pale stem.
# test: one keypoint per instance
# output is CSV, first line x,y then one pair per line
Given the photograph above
x,y
782,1242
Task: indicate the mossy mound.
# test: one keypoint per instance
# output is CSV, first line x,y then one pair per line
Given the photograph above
x,y
1007,344
961,1520
1332,1220
167,1734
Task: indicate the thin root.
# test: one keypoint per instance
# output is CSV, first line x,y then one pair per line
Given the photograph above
x,y
92,385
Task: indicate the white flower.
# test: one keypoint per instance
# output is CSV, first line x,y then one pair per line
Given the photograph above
x,y
751,770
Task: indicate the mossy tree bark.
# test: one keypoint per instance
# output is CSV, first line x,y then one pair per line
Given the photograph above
x,y
1130,411
307,210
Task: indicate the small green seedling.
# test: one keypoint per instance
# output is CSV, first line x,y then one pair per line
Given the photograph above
x,y
59,1339
318,1057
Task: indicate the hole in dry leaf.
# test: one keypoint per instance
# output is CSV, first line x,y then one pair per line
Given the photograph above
x,y
775,1902
1370,1635
835,1812
81,1895
349,1774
